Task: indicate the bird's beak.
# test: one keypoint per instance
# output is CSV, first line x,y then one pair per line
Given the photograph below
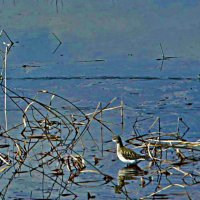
x,y
108,141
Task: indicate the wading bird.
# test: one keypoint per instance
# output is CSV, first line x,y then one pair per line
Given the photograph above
x,y
127,155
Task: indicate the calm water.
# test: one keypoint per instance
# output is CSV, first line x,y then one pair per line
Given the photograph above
x,y
109,49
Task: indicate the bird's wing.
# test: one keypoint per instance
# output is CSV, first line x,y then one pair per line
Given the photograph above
x,y
130,155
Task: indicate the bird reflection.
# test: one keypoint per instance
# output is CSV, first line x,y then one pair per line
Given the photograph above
x,y
128,173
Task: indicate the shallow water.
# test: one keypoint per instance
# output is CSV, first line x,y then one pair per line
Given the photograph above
x,y
109,49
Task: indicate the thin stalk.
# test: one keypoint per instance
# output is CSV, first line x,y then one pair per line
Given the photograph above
x,y
5,89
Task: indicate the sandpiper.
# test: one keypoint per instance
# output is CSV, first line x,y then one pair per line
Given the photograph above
x,y
127,155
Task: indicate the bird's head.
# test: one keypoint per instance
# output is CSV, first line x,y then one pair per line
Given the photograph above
x,y
117,139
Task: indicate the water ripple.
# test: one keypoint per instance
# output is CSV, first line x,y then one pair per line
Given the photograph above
x,y
103,78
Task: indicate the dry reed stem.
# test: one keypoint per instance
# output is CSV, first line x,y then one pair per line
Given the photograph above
x,y
165,188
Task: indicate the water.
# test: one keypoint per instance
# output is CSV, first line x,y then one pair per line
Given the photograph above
x,y
109,49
